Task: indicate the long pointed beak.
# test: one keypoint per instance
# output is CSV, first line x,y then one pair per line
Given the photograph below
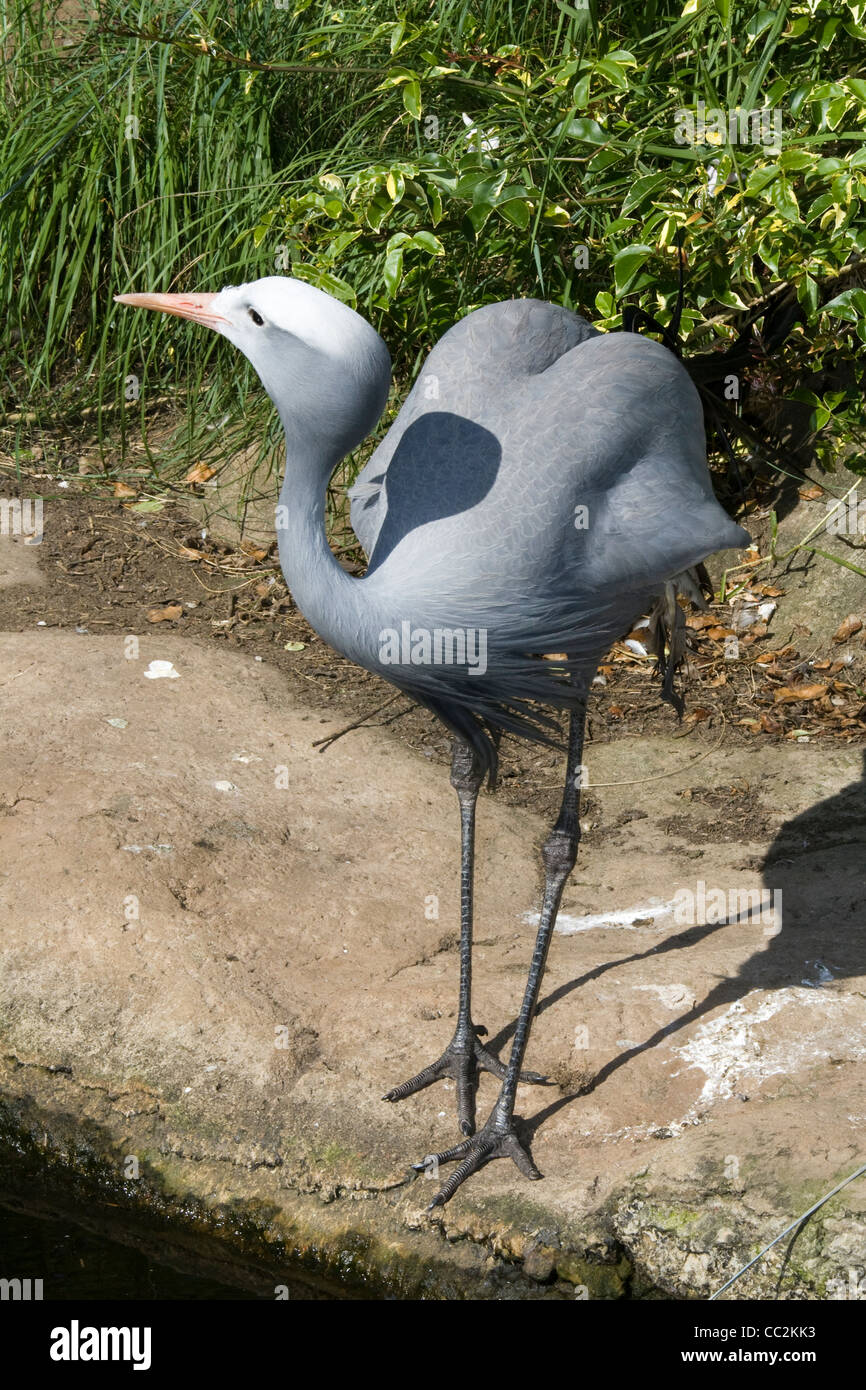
x,y
196,307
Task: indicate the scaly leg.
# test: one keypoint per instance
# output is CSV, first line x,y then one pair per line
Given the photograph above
x,y
464,1056
498,1138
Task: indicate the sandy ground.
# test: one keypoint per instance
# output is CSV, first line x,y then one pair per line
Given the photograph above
x,y
220,946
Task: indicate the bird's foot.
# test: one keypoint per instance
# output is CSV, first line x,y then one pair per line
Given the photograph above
x,y
462,1060
498,1139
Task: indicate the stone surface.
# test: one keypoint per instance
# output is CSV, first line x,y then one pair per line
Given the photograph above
x,y
220,946
19,563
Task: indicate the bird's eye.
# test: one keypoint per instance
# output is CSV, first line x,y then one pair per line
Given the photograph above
x,y
256,317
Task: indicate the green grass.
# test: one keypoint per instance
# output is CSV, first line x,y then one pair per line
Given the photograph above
x,y
145,147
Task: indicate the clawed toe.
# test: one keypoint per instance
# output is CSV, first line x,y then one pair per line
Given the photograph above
x,y
495,1140
462,1060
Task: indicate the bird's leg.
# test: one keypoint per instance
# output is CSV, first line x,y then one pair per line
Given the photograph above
x,y
498,1138
465,1055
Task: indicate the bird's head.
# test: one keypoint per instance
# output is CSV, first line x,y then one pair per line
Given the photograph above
x,y
317,359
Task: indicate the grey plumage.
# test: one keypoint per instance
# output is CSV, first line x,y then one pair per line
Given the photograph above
x,y
522,413
542,485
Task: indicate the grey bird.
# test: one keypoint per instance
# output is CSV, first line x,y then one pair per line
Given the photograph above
x,y
542,485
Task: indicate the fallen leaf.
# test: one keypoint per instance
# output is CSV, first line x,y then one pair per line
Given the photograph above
x,y
847,628
124,490
169,614
187,552
199,473
779,655
720,679
752,725
255,552
150,504
294,646
696,716
719,633
770,725
811,493
790,694
772,591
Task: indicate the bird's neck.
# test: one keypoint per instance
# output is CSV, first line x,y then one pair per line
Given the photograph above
x,y
336,606
327,407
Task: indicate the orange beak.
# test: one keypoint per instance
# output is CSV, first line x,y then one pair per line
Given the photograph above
x,y
196,307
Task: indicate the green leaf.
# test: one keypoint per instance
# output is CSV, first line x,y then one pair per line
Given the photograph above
x,y
807,294
481,186
769,254
582,128
477,215
613,72
796,159
392,271
758,25
784,200
828,31
581,90
515,211
412,98
642,189
819,207
850,305
605,304
759,178
429,243
396,76
434,197
324,280
627,263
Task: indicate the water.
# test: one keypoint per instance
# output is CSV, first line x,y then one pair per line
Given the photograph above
x,y
82,1244
75,1264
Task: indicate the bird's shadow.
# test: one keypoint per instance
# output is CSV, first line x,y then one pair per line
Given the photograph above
x,y
822,936
463,456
